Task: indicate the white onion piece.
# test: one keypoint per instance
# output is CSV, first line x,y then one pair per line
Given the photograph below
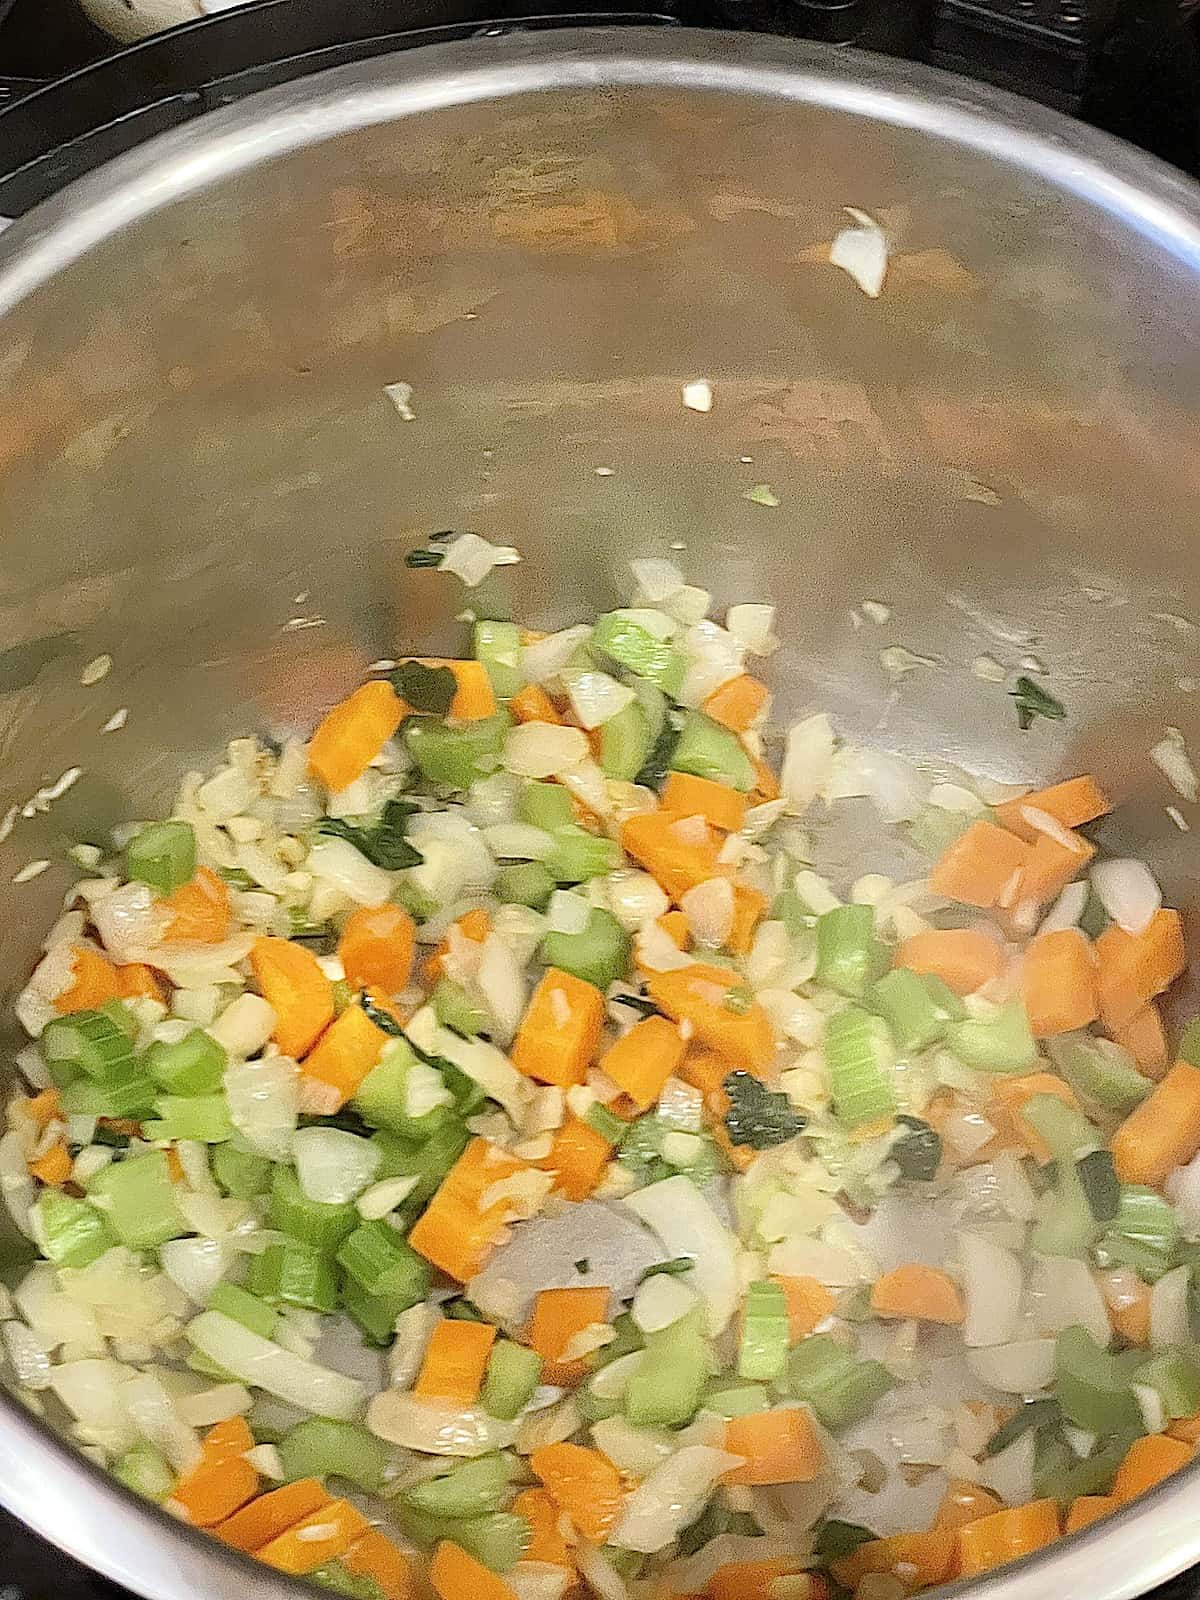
x,y
813,1258
543,749
714,657
1169,1309
457,861
752,626
501,985
91,1392
895,785
1019,1368
567,912
862,252
154,1416
1062,1293
672,1496
214,1405
1010,1473
1170,756
264,1102
245,1025
992,1290
334,1166
337,862
538,1580
27,1355
434,1428
660,1301
656,580
807,762
634,898
688,1226
1066,910
471,558
194,1265
126,920
634,1451
262,1364
518,841
545,658
595,696
598,1572
482,1062
708,908
1127,891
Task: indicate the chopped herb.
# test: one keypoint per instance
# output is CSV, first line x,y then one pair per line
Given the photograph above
x,y
836,1540
460,1309
1034,701
918,1153
345,1119
110,1136
423,558
442,536
674,1268
1101,1188
761,494
583,1265
383,844
658,762
739,1000
429,689
640,1003
382,1019
236,878
1033,1414
757,1116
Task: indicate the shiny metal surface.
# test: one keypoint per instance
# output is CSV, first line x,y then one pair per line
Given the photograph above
x,y
200,474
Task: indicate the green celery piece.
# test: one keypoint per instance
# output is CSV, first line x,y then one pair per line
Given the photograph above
x,y
498,1539
1052,1459
860,1056
246,1308
137,1199
1002,1043
628,1340
308,1221
1099,1071
850,958
414,900
195,1065
513,1373
127,1091
1098,1176
1174,1374
607,1124
789,909
665,1390
355,1586
594,1407
428,1162
707,750
162,854
498,646
1065,1225
1144,1233
640,652
202,1117
913,1009
455,1009
146,1472
375,1314
729,1399
654,705
88,1042
456,757
715,1519
1094,1474
241,1173
525,883
75,1234
835,1539
1189,1044
1091,1386
468,1490
625,743
579,855
599,955
839,1387
295,1274
320,1446
545,805
1066,1131
382,1262
933,830
763,1350
385,1097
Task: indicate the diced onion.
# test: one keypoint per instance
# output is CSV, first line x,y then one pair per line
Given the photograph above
x,y
1062,1293
545,658
633,1451
27,1356
1010,1473
518,841
708,908
992,1290
656,580
752,626
895,785
149,1405
1171,758
482,1062
660,1301
334,1166
91,1392
1066,910
1169,1309
543,749
434,1428
688,1226
1019,1368
194,1265
862,252
807,762
213,1405
715,656
245,1025
126,920
336,861
1127,891
264,1102
595,696
567,912
501,985
471,558
672,1496
634,898
262,1364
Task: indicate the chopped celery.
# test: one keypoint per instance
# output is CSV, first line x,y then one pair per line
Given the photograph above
x,y
1001,1043
600,954
1052,1457
849,956
545,805
625,742
146,1472
1174,1375
513,1373
468,1490
1099,1180
795,915
715,1519
163,855
375,1314
245,1308
640,652
498,646
524,883
497,1538
607,1124
201,1117
665,1390
918,1153
319,1447
335,1577
455,1009
859,1056
88,1042
1065,1225
127,1091
839,1387
1034,1414
403,1093
193,1066
456,757
763,1350
1092,1387
729,1399
74,1233
707,750
241,1173
307,1221
594,1407
579,855
428,1162
628,1340
1099,1071
295,1274
137,1198
1144,1232
383,1262
117,1011
915,1012
1067,1132
1189,1043
933,830
1094,1473
835,1539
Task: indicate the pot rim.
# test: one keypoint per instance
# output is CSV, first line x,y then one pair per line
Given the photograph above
x,y
43,1480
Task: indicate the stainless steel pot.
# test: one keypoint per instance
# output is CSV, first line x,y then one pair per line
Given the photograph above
x,y
202,477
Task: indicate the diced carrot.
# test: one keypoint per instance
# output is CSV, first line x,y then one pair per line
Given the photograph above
x,y
200,910
965,1502
1136,967
474,925
577,1158
376,947
269,1515
1127,1300
686,796
1014,1093
778,1446
1142,1035
675,925
349,737
300,994
474,698
560,1030
1005,1535
707,1072
1052,866
766,784
558,1316
322,1536
344,1054
456,1359
377,1558
222,1480
738,703
921,1293
1147,1462
1185,1428
453,1231
54,1167
94,981
915,1560
808,1301
1071,803
1163,1132
43,1107
136,981
982,867
533,704
664,845
454,1575
584,1484
1086,1509
750,1580
748,907
642,1060
546,1542
1058,982
699,994
963,958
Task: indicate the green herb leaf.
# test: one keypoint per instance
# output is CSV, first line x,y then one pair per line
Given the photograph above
x,y
382,1019
640,1003
384,844
1033,1414
761,494
918,1153
836,1540
658,762
739,1000
429,689
423,558
1034,701
757,1116
460,1309
674,1268
583,1266
1101,1188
